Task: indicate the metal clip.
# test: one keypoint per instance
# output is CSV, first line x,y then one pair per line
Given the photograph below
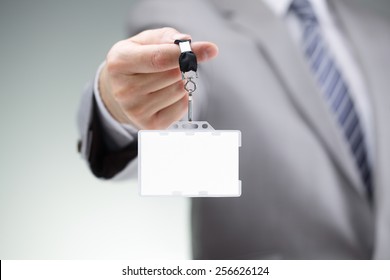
x,y
190,87
188,63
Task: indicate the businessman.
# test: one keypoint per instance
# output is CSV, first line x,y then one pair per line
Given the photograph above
x,y
306,82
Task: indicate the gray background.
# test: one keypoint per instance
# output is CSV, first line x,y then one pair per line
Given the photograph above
x,y
50,204
51,207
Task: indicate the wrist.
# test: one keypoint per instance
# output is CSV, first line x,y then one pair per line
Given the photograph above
x,y
109,101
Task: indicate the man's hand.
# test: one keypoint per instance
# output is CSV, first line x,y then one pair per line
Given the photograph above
x,y
141,83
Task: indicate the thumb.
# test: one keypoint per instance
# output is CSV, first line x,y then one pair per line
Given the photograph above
x,y
165,35
204,51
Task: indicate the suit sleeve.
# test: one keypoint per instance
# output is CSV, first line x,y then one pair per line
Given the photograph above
x,y
107,157
104,161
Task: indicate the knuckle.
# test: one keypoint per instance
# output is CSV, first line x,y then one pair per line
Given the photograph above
x,y
127,92
122,94
174,74
111,63
180,85
120,57
113,58
155,122
132,89
168,30
158,60
137,112
118,95
179,89
147,123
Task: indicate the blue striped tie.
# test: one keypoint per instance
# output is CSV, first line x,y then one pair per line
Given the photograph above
x,y
333,87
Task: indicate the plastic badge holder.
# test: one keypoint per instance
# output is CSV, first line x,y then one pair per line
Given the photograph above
x,y
189,159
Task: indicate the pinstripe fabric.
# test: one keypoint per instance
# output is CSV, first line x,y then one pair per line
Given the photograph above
x,y
333,87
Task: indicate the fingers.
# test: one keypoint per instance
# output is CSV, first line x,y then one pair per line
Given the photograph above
x,y
204,50
153,110
157,58
130,56
147,83
164,35
141,82
149,58
172,113
164,98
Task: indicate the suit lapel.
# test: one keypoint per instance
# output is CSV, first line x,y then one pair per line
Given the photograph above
x,y
373,56
289,66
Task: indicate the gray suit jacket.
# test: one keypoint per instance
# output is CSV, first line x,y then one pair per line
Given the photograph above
x,y
302,195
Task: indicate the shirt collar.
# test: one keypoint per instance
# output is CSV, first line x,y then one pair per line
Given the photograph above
x,y
281,7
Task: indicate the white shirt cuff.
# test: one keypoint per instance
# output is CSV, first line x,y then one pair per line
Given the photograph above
x,y
117,135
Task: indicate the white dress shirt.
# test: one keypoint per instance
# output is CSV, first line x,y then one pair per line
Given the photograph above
x,y
121,134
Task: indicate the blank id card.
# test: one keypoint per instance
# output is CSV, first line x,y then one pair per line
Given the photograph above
x,y
195,162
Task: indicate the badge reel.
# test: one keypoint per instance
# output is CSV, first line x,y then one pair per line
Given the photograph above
x,y
190,158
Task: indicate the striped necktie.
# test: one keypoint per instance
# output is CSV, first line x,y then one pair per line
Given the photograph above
x,y
334,88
